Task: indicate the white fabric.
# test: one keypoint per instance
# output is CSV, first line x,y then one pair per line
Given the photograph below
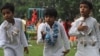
x,y
15,47
88,50
59,47
23,24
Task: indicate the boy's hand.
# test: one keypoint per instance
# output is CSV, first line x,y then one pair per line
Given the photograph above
x,y
82,28
26,50
99,50
43,34
65,52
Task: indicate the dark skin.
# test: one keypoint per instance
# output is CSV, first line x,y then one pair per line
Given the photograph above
x,y
9,16
43,34
26,50
65,52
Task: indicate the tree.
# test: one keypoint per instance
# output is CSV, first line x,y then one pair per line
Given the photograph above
x,y
66,8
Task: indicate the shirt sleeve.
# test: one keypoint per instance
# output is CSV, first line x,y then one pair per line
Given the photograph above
x,y
23,37
64,37
41,28
2,37
73,30
97,32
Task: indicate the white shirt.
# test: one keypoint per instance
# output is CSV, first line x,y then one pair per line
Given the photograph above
x,y
59,46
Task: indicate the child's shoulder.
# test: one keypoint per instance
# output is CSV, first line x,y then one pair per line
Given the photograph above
x,y
81,19
18,19
3,24
78,20
42,25
92,18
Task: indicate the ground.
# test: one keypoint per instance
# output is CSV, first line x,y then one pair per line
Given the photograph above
x,y
36,50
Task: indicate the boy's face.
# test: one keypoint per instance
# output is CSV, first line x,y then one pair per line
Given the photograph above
x,y
7,14
84,10
49,19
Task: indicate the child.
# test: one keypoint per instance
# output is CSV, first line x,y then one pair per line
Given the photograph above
x,y
12,37
51,33
67,25
86,30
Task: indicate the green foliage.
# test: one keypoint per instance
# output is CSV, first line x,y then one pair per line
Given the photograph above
x,y
96,11
1,19
66,8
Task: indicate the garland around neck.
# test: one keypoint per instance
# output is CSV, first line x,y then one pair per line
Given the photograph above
x,y
51,38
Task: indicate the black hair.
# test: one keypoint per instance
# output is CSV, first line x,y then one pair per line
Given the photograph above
x,y
23,16
50,12
87,3
67,19
9,6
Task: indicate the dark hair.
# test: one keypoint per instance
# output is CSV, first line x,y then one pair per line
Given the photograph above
x,y
67,19
9,6
22,17
50,12
87,3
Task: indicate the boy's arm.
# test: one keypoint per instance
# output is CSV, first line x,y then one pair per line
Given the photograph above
x,y
73,31
97,32
2,37
65,39
23,37
40,33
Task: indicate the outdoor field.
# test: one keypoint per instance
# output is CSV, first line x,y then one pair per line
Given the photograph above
x,y
36,50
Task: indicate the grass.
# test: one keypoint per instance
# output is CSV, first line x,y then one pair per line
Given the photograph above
x,y
36,50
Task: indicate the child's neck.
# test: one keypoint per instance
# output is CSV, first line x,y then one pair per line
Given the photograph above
x,y
12,21
51,24
86,16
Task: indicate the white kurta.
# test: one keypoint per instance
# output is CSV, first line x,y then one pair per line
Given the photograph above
x,y
13,46
87,50
59,46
